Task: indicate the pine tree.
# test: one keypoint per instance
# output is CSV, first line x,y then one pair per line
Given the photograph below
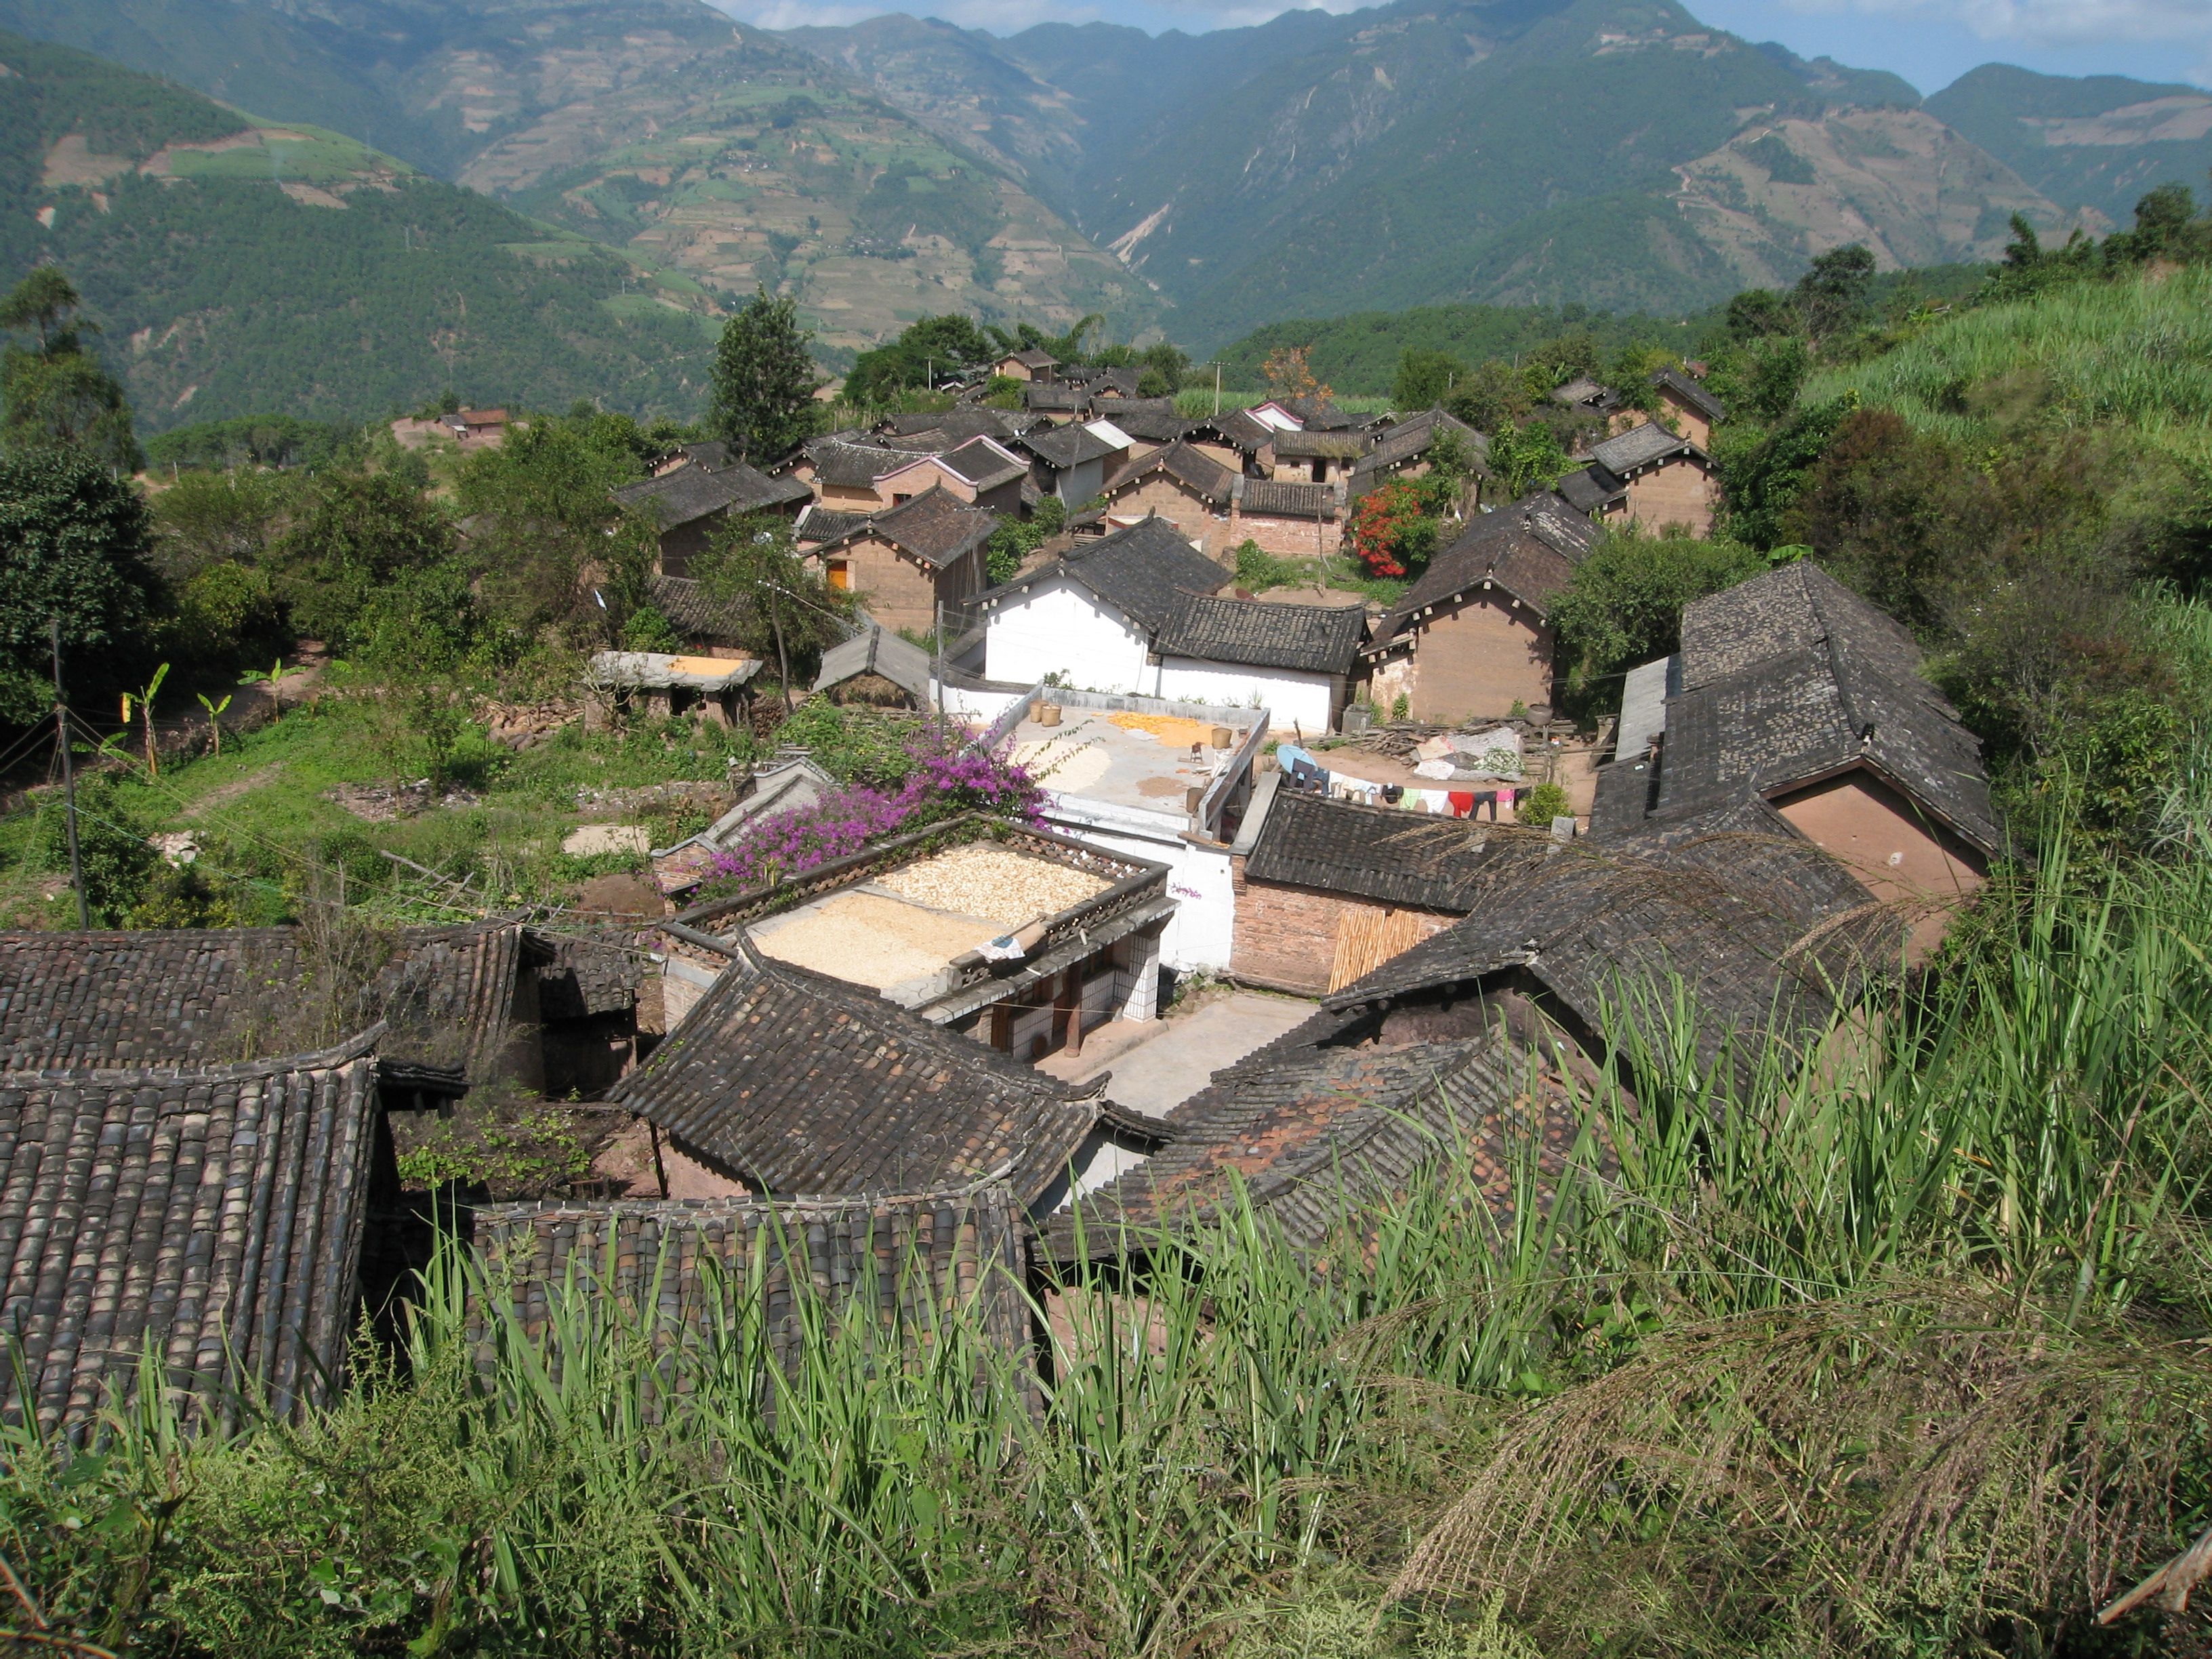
x,y
58,395
763,404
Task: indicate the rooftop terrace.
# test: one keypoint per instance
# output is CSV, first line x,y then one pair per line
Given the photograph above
x,y
900,933
1137,758
946,920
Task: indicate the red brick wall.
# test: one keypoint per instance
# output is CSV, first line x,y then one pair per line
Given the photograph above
x,y
1285,937
1285,539
1476,662
1173,502
898,591
1680,492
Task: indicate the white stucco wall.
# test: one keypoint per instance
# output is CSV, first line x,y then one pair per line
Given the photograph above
x,y
1286,694
1204,926
1058,627
978,708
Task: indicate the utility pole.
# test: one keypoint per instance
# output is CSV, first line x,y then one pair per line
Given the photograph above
x,y
1216,390
69,781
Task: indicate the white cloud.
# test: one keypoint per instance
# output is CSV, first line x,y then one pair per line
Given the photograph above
x,y
2048,22
999,16
1009,16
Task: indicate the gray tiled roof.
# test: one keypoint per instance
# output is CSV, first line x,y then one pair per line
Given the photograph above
x,y
1320,415
581,977
803,1084
699,490
1790,676
448,995
825,524
1115,382
1640,447
1691,393
1584,390
1529,550
949,428
936,527
1269,499
142,998
899,1263
983,464
1315,1134
847,463
675,1264
1590,489
1055,399
1033,358
208,996
693,612
1409,440
876,650
1767,933
1315,639
1323,444
1200,474
1148,571
215,1215
1235,427
1384,854
1152,419
1065,447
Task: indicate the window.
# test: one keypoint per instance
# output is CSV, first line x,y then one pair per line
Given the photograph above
x,y
841,576
900,498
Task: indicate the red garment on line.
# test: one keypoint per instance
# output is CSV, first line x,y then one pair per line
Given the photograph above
x,y
1462,802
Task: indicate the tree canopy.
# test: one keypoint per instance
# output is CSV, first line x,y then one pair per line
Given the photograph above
x,y
73,545
56,393
762,400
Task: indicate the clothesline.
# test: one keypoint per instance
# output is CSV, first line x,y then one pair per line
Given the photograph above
x,y
1301,772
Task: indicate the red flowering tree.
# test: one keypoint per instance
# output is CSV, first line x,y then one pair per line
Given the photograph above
x,y
1391,533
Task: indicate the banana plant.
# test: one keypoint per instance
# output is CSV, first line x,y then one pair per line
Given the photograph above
x,y
214,718
146,715
255,676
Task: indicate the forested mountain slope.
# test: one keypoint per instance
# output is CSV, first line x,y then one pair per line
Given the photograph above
x,y
238,268
655,124
1605,152
2098,141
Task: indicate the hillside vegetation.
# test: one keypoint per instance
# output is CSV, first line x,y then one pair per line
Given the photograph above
x,y
2137,353
2096,143
659,127
1361,352
238,268
1613,154
1907,1358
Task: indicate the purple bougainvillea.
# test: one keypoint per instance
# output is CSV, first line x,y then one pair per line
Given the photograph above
x,y
947,780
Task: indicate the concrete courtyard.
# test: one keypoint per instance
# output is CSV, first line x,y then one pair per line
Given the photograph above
x,y
1159,1064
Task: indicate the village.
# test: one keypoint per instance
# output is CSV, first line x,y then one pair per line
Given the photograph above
x,y
1312,896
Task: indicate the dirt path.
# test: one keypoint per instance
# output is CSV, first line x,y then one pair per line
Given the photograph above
x,y
226,793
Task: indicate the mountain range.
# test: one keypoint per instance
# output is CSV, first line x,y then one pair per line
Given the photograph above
x,y
623,171
1608,153
238,266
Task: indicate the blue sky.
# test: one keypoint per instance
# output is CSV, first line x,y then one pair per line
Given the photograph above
x,y
1929,42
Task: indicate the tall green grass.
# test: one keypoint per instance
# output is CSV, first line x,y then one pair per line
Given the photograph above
x,y
2136,352
1710,1375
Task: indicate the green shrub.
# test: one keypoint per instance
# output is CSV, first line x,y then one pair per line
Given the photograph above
x,y
1258,570
228,613
117,859
1544,803
648,630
